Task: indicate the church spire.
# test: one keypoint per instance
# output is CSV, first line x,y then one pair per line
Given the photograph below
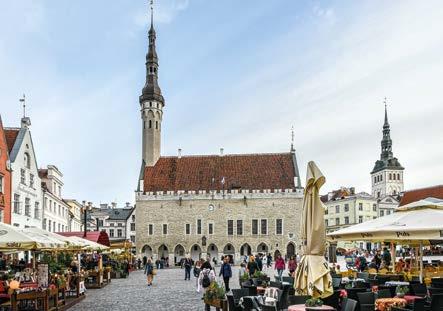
x,y
386,143
151,90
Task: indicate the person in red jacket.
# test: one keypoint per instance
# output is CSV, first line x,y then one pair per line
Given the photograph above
x,y
279,266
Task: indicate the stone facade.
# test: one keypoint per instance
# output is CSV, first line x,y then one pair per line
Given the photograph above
x,y
5,178
178,212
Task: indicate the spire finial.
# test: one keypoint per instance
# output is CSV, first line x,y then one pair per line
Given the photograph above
x,y
152,12
292,138
23,100
386,111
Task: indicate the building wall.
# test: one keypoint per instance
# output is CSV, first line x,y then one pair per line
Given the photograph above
x,y
383,183
5,175
176,213
55,214
24,190
130,227
75,222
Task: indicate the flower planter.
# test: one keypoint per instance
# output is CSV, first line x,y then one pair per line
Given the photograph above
x,y
218,303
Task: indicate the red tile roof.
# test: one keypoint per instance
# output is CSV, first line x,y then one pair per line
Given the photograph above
x,y
423,193
11,136
249,171
94,236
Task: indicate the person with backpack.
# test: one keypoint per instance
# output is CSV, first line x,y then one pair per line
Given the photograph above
x,y
226,272
187,264
206,277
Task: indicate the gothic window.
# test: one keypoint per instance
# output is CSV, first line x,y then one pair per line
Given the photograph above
x,y
239,227
150,104
155,70
254,226
27,160
230,227
398,176
156,125
390,176
381,177
150,124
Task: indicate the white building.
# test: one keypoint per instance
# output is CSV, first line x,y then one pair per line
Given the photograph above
x,y
75,221
115,221
55,211
26,185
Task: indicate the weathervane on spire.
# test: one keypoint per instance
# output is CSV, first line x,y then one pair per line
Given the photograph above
x,y
292,138
23,100
151,3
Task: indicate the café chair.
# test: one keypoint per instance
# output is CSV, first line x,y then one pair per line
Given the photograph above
x,y
232,306
336,282
333,300
366,301
435,291
349,305
419,289
437,302
278,285
237,293
384,293
297,300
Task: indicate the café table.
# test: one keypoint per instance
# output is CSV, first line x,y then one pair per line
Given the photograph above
x,y
410,298
396,283
385,304
302,307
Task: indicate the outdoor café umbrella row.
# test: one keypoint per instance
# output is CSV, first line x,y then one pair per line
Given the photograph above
x,y
416,224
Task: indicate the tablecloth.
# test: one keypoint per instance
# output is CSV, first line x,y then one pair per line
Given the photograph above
x,y
385,304
302,307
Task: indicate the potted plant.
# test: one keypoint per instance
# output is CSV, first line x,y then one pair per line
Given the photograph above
x,y
314,302
214,295
244,277
401,290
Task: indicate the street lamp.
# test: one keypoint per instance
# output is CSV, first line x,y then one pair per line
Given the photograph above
x,y
86,208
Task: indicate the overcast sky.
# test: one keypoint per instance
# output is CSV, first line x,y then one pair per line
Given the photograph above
x,y
234,74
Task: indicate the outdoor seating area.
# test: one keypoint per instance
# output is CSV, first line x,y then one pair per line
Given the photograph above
x,y
41,270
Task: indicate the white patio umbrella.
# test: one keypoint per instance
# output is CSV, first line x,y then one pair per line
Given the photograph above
x,y
87,244
312,276
11,238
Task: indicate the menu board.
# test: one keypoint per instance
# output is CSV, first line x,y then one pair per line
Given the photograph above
x,y
43,275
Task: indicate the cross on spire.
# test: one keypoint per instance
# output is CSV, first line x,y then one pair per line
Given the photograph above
x,y
151,3
23,100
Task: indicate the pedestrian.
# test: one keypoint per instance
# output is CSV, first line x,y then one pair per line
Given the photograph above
x,y
259,262
206,277
252,266
226,272
292,265
386,257
149,271
207,264
139,263
269,260
279,266
187,264
145,260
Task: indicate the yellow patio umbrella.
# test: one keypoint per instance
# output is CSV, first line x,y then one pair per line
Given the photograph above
x,y
312,276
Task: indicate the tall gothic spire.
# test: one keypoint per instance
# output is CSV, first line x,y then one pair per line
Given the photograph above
x,y
386,143
151,90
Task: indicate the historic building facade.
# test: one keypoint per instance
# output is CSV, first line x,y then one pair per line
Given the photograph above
x,y
211,204
5,178
26,184
75,222
55,209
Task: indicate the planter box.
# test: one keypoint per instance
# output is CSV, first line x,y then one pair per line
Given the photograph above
x,y
218,303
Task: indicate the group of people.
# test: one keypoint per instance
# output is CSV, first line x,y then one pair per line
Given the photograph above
x,y
376,259
255,263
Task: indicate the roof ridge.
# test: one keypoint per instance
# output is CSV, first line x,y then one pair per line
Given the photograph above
x,y
431,187
226,155
10,128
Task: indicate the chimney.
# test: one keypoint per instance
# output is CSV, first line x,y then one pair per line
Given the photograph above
x,y
221,152
113,204
179,153
352,189
128,205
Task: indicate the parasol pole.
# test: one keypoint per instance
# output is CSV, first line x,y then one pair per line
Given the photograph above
x,y
421,261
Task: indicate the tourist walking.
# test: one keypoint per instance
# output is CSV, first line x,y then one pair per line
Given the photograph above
x,y
269,260
259,262
226,272
187,264
149,271
292,265
279,265
252,266
206,277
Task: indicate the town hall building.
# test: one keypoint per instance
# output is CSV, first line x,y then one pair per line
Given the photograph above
x,y
200,205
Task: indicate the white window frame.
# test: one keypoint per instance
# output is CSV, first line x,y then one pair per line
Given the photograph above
x,y
258,226
227,227
267,226
213,228
242,227
282,226
153,229
201,226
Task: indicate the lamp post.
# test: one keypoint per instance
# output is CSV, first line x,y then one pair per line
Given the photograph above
x,y
86,208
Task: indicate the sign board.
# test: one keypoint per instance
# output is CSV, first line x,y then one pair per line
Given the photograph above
x,y
43,275
81,287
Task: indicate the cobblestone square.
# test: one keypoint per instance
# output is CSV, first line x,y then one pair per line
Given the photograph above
x,y
169,292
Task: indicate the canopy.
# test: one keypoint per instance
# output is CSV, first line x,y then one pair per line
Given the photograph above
x,y
43,242
312,275
67,244
414,223
87,245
